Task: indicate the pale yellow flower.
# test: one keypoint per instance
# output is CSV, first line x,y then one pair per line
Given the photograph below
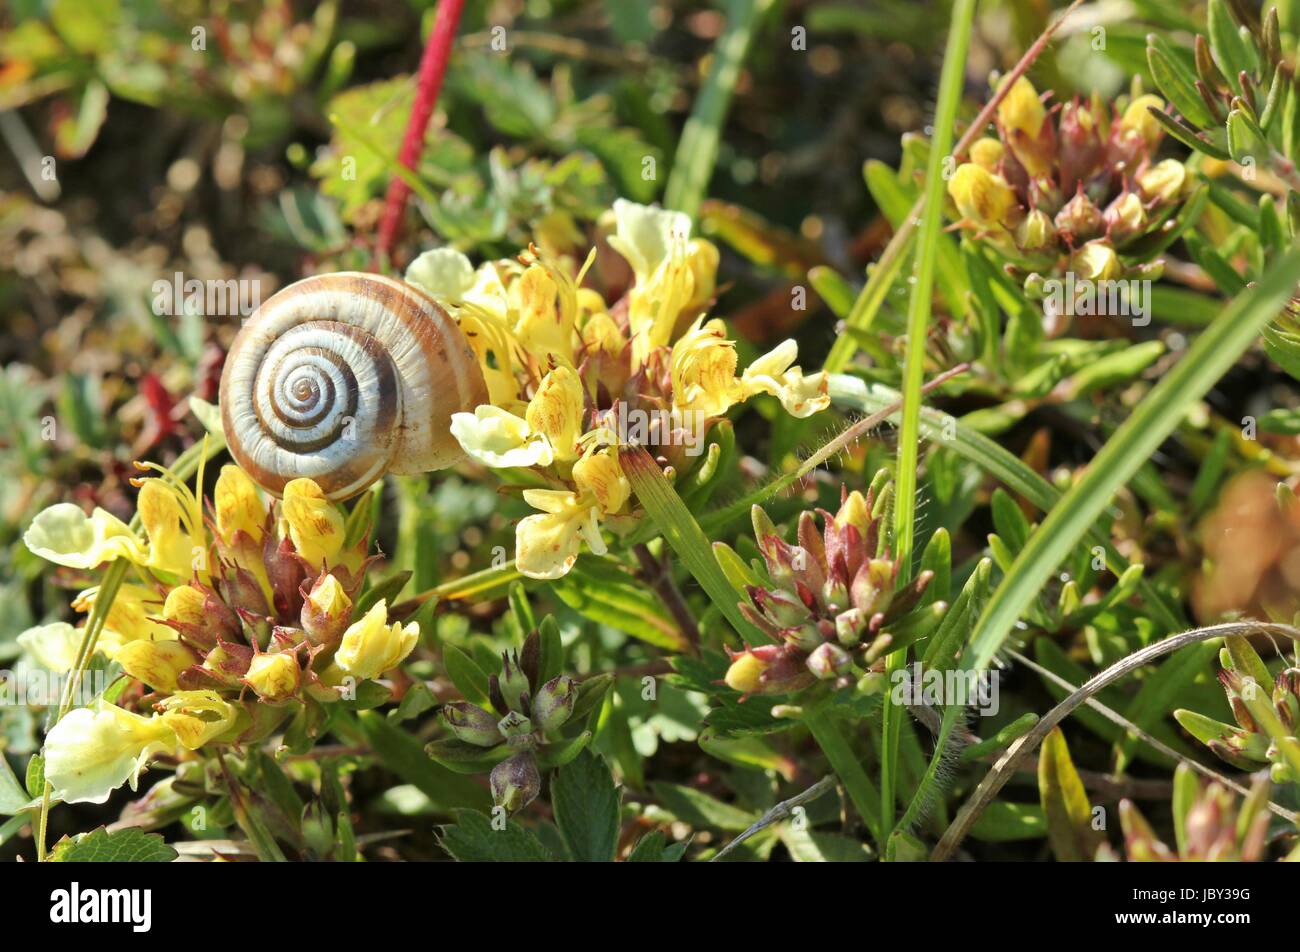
x,y
274,676
372,646
556,411
497,438
90,753
774,373
65,535
703,366
238,505
315,525
546,545
156,663
981,196
53,646
599,473
131,617
198,717
176,543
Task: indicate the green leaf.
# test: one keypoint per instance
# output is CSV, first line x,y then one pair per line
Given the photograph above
x,y
586,805
401,753
700,810
1065,802
1178,85
417,699
1227,45
464,672
652,848
388,590
684,534
1003,822
599,589
13,798
473,840
1135,441
131,845
462,757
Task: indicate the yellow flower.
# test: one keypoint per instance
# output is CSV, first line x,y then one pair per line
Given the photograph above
x,y
1163,181
315,525
601,335
986,153
238,505
703,367
546,545
156,663
187,605
371,646
325,610
198,717
65,535
175,539
545,327
1096,261
131,618
274,676
90,753
982,197
497,438
745,673
1137,119
1022,109
556,411
599,473
54,646
656,243
774,374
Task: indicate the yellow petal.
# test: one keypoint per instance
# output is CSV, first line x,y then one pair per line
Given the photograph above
x,y
197,717
546,545
90,753
372,646
239,505
164,519
556,411
64,535
53,646
600,474
497,438
316,527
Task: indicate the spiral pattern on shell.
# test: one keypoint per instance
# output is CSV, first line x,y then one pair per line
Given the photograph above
x,y
343,377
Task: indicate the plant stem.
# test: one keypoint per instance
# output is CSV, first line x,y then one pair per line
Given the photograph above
x,y
918,319
655,574
433,66
864,311
697,152
845,763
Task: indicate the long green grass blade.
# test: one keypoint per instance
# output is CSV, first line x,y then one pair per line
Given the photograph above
x,y
697,152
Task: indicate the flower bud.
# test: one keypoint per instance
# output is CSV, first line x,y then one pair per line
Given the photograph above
x,y
471,724
1137,121
982,198
325,611
513,682
515,782
829,661
242,592
782,608
1163,182
1096,261
1081,150
1023,119
1036,232
371,646
850,625
517,729
285,574
1125,217
554,702
156,663
746,673
986,153
1080,219
274,676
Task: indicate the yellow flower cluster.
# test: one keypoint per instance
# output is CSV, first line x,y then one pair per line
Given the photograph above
x,y
565,369
234,619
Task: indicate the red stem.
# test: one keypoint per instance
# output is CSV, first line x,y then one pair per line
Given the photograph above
x,y
433,66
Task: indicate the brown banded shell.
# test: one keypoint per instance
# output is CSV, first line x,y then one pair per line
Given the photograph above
x,y
344,377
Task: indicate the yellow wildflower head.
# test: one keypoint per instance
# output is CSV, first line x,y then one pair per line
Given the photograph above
x,y
776,374
704,370
556,411
372,646
274,676
315,525
599,473
983,198
89,753
986,153
497,438
238,505
156,663
1021,109
198,717
65,535
1138,121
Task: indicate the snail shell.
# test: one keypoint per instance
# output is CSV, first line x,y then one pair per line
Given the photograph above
x,y
344,377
